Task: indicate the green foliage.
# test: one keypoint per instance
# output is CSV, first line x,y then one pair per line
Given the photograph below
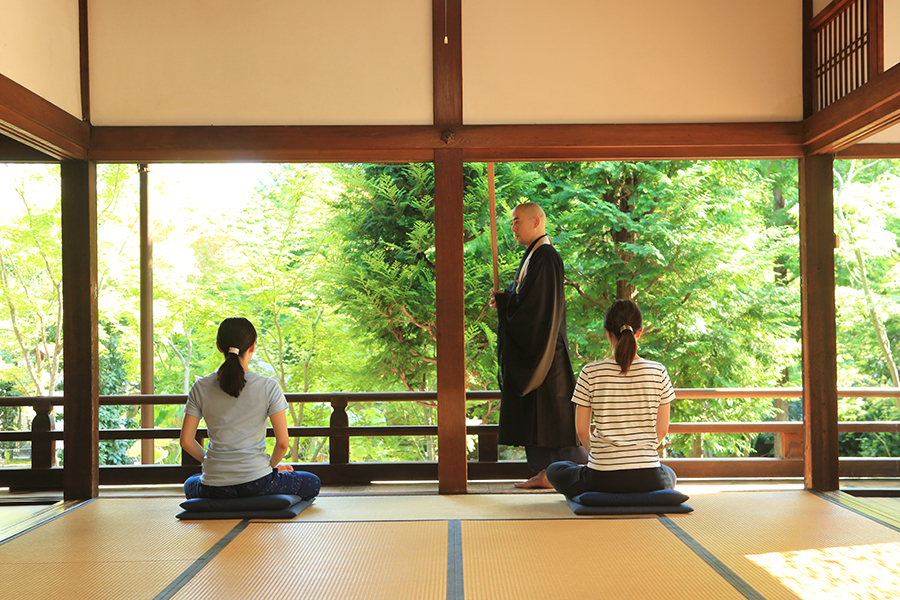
x,y
336,267
113,382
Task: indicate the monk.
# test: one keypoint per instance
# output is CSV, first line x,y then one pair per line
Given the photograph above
x,y
536,375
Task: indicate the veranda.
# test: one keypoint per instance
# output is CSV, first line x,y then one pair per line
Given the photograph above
x,y
146,82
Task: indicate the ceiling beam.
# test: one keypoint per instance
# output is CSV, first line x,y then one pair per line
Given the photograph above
x,y
12,151
871,108
403,143
35,122
870,151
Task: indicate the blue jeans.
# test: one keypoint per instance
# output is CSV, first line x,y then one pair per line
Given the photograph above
x,y
298,483
541,457
571,479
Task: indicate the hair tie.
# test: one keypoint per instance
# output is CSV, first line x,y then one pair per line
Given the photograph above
x,y
234,351
624,327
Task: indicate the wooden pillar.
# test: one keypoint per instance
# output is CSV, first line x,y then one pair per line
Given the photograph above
x,y
81,386
451,352
148,454
448,224
817,314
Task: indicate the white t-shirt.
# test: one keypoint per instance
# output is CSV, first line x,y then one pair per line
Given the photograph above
x,y
236,452
623,408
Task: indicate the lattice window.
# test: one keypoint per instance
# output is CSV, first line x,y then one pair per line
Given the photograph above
x,y
846,48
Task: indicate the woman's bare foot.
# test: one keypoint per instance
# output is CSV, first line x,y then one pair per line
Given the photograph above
x,y
537,481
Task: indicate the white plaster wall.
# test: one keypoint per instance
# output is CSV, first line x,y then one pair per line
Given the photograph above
x,y
39,49
819,5
891,58
260,62
651,61
891,33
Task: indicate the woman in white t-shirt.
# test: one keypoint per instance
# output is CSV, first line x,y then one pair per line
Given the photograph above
x,y
621,414
236,404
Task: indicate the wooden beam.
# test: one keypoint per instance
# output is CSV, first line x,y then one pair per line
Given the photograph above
x,y
817,314
870,151
871,108
451,351
265,144
35,122
416,143
80,348
12,151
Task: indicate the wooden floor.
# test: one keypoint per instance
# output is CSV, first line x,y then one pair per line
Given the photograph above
x,y
752,541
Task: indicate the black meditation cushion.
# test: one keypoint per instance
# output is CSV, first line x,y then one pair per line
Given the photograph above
x,y
278,506
655,498
656,502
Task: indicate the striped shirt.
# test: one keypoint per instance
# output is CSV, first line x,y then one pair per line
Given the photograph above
x,y
623,409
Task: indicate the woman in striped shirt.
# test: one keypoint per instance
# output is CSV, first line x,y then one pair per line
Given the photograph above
x,y
621,414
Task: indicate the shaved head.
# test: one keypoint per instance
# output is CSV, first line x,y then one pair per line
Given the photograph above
x,y
528,223
530,209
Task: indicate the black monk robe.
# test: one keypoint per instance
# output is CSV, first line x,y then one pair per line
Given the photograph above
x,y
536,374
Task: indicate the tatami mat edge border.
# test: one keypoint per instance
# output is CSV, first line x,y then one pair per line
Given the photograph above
x,y
845,500
455,588
170,590
709,558
51,513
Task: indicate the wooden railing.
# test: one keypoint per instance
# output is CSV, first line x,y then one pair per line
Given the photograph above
x,y
846,48
340,470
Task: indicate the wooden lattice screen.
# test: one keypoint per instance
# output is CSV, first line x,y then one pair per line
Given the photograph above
x,y
847,48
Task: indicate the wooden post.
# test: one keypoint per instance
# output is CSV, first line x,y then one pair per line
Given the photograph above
x,y
81,386
817,314
810,89
339,445
875,28
448,224
451,352
492,207
148,421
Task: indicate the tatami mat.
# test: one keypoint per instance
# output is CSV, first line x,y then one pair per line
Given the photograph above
x,y
790,545
389,560
114,549
767,545
549,560
463,506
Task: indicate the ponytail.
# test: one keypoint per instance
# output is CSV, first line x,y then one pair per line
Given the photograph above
x,y
622,320
234,338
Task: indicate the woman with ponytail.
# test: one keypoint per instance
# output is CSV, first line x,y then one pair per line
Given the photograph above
x,y
236,403
621,414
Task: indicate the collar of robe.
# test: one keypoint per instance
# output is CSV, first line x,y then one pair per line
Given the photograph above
x,y
543,239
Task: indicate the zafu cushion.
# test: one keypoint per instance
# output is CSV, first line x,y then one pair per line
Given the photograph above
x,y
654,498
273,502
604,503
581,509
282,506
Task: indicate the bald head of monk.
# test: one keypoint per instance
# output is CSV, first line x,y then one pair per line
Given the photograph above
x,y
528,223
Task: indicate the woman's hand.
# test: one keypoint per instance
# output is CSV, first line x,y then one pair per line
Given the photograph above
x,y
285,469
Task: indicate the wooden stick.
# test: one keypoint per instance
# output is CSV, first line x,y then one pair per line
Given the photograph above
x,y
493,207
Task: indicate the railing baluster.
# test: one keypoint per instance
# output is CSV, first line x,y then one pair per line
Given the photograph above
x,y
43,452
488,449
339,444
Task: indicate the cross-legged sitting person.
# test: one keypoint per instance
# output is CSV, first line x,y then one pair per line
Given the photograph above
x,y
622,414
236,404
